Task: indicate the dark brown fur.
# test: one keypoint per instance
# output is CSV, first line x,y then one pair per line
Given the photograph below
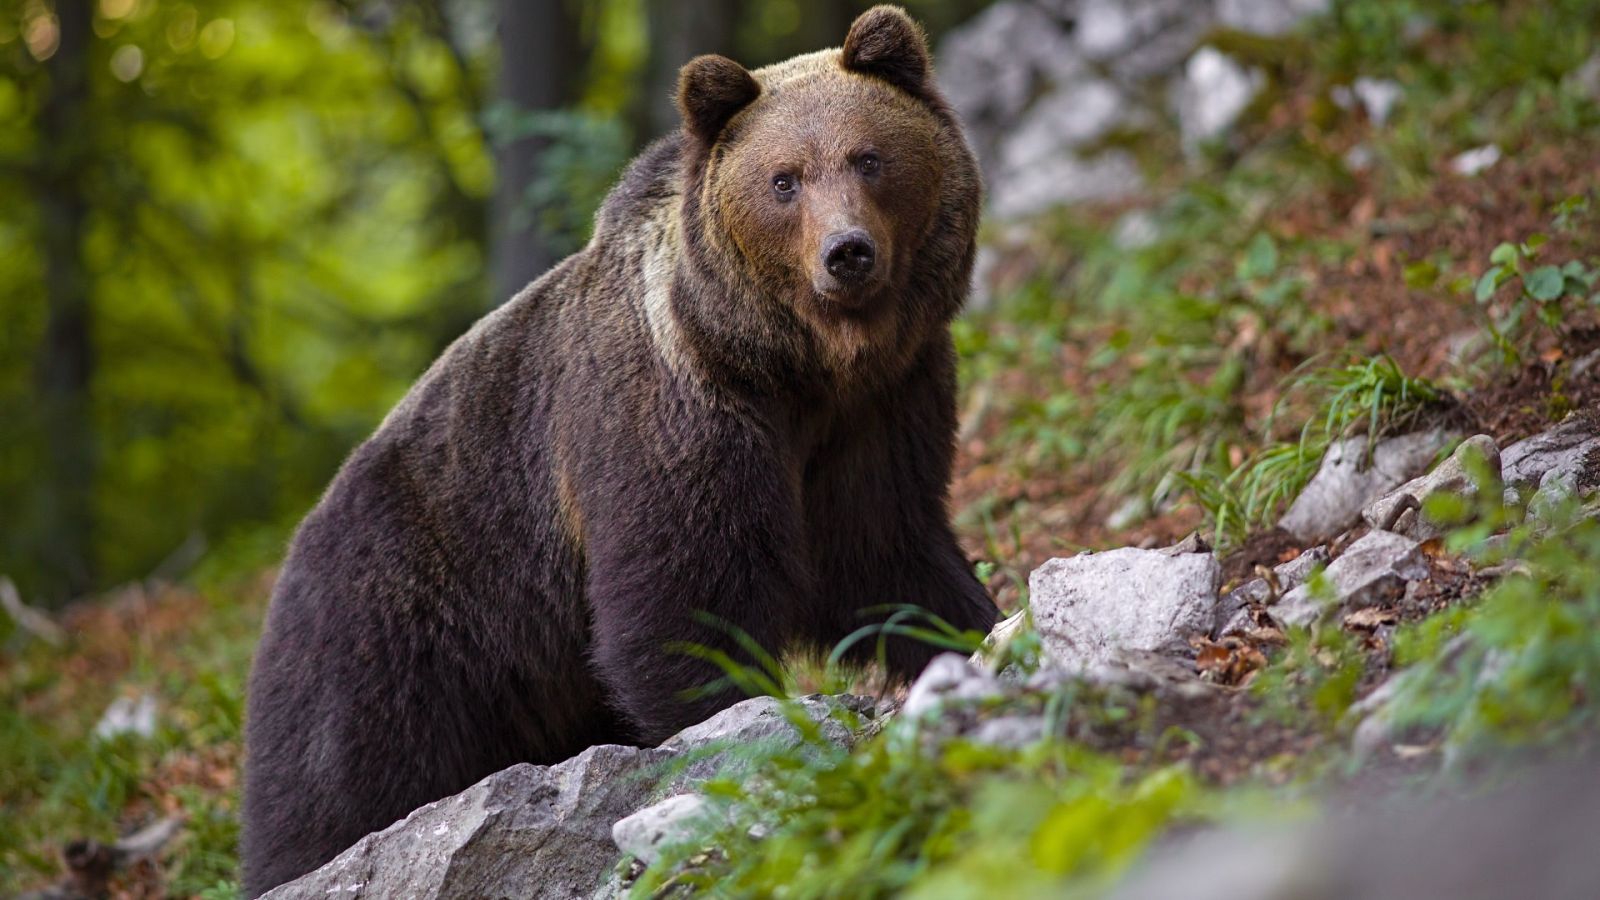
x,y
676,419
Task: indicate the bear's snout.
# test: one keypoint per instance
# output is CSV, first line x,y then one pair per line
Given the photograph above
x,y
849,256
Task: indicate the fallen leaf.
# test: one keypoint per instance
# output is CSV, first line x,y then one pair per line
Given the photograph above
x,y
1370,618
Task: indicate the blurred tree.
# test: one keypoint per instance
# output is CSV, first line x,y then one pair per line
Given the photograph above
x,y
679,31
543,56
231,238
65,359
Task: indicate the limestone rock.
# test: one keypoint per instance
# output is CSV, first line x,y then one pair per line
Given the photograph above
x,y
713,744
1373,570
1345,483
1565,457
1266,17
1214,91
949,677
1453,476
1231,612
644,833
527,831
1089,607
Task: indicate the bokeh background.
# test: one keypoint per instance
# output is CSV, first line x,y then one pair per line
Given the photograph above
x,y
233,233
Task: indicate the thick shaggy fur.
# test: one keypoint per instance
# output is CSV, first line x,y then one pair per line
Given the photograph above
x,y
675,420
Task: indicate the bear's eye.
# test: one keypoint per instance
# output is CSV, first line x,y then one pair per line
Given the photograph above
x,y
869,164
783,186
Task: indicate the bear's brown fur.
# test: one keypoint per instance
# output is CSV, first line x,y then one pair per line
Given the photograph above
x,y
737,400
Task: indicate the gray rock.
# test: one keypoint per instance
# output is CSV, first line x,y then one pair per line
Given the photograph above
x,y
1020,192
1013,732
1214,91
1232,614
1449,477
1567,456
719,745
1471,162
527,831
1140,39
1533,837
671,821
1135,230
1373,570
994,66
1378,97
1345,483
1267,17
1090,606
949,677
1003,633
1375,720
1585,80
128,715
1063,121
1146,671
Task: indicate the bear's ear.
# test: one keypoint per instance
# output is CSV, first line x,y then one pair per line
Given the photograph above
x,y
711,89
885,42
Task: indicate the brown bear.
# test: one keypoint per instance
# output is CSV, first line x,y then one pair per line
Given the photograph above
x,y
735,404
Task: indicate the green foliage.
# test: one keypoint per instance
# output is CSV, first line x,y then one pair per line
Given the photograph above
x,y
584,151
903,814
1546,290
60,782
1521,664
1372,394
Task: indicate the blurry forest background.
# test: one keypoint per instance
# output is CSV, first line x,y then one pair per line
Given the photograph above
x,y
235,232
1222,237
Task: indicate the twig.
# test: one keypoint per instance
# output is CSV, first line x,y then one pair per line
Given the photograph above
x,y
29,619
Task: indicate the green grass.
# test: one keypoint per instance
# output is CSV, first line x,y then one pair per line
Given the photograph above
x,y
907,813
1371,396
59,782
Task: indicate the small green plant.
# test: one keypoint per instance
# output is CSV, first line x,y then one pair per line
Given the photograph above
x,y
898,815
1520,664
1542,290
1372,395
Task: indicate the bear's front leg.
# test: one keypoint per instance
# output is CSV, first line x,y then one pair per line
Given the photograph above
x,y
692,529
876,518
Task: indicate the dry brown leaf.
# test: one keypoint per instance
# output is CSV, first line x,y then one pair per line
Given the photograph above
x,y
1370,618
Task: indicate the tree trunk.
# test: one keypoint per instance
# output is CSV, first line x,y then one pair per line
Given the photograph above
x,y
65,363
542,60
679,30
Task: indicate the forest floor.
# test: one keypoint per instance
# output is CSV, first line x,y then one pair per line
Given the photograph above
x,y
1112,396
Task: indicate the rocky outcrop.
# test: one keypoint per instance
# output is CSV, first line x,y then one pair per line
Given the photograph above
x,y
1042,85
1350,478
528,831
1091,606
548,831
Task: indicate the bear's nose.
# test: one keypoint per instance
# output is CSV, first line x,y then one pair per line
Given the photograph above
x,y
849,255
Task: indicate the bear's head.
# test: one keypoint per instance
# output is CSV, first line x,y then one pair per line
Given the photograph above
x,y
837,186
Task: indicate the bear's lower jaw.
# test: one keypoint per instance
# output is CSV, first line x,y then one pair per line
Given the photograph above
x,y
854,300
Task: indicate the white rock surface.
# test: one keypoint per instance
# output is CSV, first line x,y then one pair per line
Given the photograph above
x,y
1449,477
1373,570
128,715
644,833
948,678
1562,458
1378,96
1475,160
1266,17
527,831
1345,484
1214,91
1089,607
1231,612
